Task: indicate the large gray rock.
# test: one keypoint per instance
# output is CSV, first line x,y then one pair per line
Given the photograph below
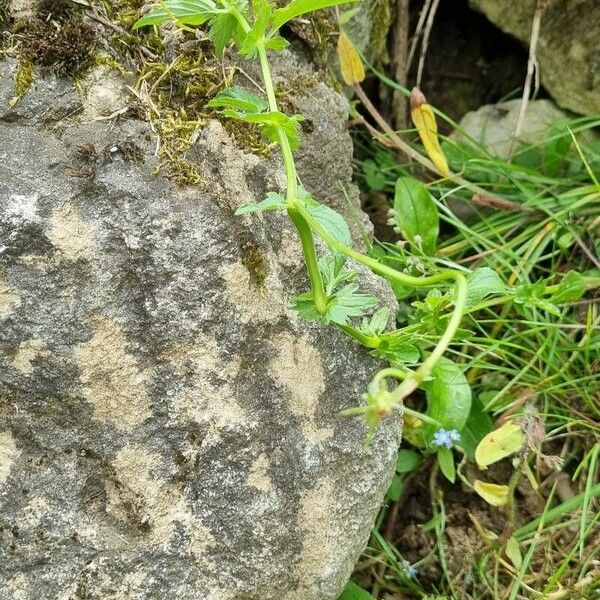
x,y
168,427
568,50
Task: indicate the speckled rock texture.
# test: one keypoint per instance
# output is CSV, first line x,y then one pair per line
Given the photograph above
x,y
169,429
568,50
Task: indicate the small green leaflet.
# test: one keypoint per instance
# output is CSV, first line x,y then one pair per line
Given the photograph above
x,y
189,12
448,398
328,218
300,7
354,592
341,307
446,462
397,347
481,283
376,324
416,214
408,461
532,294
332,270
570,289
272,202
238,99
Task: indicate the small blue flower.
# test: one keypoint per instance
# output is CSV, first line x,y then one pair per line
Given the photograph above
x,y
409,570
445,439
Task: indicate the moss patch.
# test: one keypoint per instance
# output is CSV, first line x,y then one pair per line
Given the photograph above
x,y
254,260
24,78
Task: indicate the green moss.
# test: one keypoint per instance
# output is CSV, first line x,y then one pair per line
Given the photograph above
x,y
24,79
381,19
255,261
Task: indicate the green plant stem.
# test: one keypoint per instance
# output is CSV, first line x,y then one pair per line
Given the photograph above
x,y
414,380
304,232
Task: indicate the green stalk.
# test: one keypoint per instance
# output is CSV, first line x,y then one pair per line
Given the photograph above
x,y
410,383
304,232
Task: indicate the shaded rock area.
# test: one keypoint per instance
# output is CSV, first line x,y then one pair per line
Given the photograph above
x,y
168,426
493,125
568,50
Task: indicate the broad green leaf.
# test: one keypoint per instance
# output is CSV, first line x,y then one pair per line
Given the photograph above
x,y
570,289
398,348
189,12
239,99
416,214
395,489
328,218
493,494
481,283
351,65
446,461
300,7
448,397
222,29
499,444
513,551
478,425
355,592
408,461
272,202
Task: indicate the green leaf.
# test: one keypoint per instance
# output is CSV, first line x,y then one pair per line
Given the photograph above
x,y
300,7
478,425
262,16
513,551
332,270
446,461
481,283
377,323
416,214
189,12
341,307
272,202
395,490
355,592
238,99
570,289
222,29
448,398
408,461
328,218
398,348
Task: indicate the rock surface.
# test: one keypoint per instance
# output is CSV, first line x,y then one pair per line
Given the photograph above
x,y
568,49
493,125
168,427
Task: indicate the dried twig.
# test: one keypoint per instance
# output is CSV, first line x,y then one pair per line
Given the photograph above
x,y
400,61
425,43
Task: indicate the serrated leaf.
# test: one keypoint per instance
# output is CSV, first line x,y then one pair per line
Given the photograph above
x,y
446,461
272,202
416,214
377,323
354,592
493,494
513,551
570,289
188,12
332,270
328,218
481,283
262,16
448,397
238,99
351,65
222,28
297,8
424,119
499,444
276,43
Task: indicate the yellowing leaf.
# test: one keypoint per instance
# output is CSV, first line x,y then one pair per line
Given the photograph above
x,y
514,552
351,65
496,495
424,120
499,444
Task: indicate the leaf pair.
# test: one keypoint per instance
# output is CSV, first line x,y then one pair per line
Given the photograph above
x,y
238,103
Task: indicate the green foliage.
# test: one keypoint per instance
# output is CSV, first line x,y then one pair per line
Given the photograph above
x,y
448,398
352,591
481,283
272,202
416,214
